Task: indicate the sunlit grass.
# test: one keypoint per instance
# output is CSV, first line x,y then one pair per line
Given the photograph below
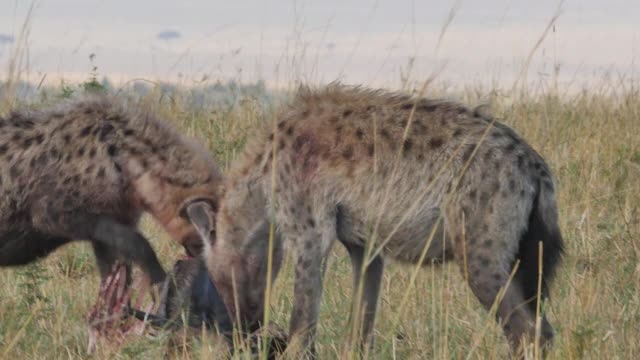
x,y
591,141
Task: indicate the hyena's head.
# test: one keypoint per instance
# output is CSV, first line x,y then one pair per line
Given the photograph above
x,y
166,190
237,254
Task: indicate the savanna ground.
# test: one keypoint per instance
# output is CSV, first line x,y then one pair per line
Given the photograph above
x,y
590,138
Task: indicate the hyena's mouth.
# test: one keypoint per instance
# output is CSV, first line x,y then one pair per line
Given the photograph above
x,y
110,319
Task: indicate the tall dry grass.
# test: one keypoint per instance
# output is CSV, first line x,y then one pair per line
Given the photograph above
x,y
590,138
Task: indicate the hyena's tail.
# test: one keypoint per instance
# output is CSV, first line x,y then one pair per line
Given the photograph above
x,y
543,227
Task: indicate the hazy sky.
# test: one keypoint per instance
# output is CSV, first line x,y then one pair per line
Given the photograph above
x,y
358,41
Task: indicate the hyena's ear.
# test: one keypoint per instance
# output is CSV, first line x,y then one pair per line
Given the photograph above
x,y
202,215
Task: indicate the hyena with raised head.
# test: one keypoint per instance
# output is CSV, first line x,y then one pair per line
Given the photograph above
x,y
87,169
362,165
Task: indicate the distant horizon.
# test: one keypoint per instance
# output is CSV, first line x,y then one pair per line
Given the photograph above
x,y
372,42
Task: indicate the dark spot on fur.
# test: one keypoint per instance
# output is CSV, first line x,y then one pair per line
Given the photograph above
x,y
17,136
334,119
457,132
512,185
305,113
418,127
112,150
487,243
435,143
85,131
522,193
92,152
484,261
467,152
27,142
406,147
3,149
281,145
472,194
407,106
488,155
370,149
359,133
420,156
67,138
537,166
81,151
495,187
308,245
347,153
297,143
428,107
521,161
271,137
128,132
117,167
14,171
462,110
347,113
290,130
89,169
484,197
544,173
311,223
42,159
105,130
39,138
281,125
548,185
509,148
385,134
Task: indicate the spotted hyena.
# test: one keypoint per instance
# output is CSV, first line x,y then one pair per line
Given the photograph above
x,y
88,169
387,175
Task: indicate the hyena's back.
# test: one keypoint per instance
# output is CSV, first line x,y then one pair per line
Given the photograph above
x,y
351,151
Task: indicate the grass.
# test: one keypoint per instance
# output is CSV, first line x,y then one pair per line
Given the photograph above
x,y
590,139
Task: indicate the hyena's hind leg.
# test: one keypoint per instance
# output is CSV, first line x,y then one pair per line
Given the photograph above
x,y
493,245
365,300
366,304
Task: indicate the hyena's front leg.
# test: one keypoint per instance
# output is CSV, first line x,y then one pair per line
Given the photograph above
x,y
311,246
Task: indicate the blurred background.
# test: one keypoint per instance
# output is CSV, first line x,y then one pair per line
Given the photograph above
x,y
381,43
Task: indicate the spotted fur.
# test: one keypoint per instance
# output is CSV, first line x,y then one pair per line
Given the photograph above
x,y
363,166
87,169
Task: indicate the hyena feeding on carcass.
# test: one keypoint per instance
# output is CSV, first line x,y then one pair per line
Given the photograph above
x,y
88,169
384,174
191,301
